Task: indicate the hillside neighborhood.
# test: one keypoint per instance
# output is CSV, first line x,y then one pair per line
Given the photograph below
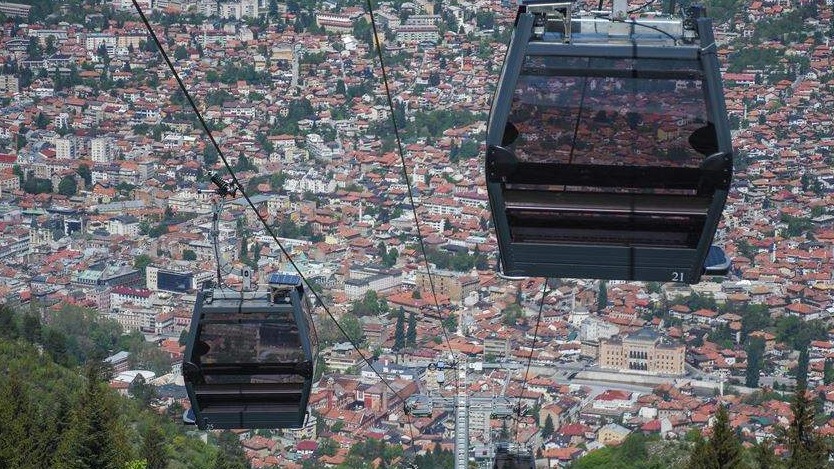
x,y
102,159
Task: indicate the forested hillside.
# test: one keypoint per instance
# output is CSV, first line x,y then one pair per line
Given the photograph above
x,y
65,417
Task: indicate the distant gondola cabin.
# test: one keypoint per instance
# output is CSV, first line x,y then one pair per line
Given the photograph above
x,y
249,361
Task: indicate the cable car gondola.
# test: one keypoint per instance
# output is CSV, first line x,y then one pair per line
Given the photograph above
x,y
608,146
250,357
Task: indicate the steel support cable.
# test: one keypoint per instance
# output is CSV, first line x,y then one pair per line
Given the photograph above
x,y
641,7
408,182
637,23
530,357
261,217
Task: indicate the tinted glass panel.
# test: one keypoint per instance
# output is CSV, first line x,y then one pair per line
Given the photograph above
x,y
608,111
251,338
254,379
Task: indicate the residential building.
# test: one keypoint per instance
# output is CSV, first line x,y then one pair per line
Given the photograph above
x,y
9,84
497,347
417,33
101,150
612,434
334,23
15,9
119,362
448,283
66,148
8,182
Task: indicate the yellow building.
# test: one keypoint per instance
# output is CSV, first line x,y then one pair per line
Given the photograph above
x,y
612,434
642,351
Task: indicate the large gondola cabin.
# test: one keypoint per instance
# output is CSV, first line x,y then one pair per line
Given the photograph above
x,y
608,147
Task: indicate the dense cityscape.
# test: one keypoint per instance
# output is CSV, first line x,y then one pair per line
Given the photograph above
x,y
106,235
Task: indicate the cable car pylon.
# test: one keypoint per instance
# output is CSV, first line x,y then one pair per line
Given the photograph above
x,y
462,404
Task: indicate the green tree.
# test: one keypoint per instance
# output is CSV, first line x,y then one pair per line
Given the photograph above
x,y
17,418
85,173
797,333
451,322
602,297
511,314
828,372
35,185
548,428
55,344
33,49
154,451
141,263
327,447
754,317
18,171
802,367
8,323
231,454
103,54
411,332
210,156
723,450
807,447
68,186
94,439
180,53
764,456
370,305
399,331
189,255
353,328
31,328
755,354
41,121
142,391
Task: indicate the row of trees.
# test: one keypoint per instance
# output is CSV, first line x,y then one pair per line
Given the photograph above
x,y
405,338
68,185
459,261
72,335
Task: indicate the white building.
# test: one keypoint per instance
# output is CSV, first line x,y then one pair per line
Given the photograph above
x,y
594,329
66,148
96,40
9,84
123,225
239,10
417,34
120,296
101,150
